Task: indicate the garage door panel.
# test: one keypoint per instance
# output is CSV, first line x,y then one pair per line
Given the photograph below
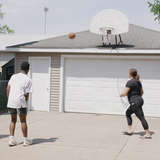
x,y
81,70
89,107
90,81
76,98
151,95
93,85
148,110
92,91
151,84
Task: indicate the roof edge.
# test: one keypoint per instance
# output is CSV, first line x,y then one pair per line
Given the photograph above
x,y
88,50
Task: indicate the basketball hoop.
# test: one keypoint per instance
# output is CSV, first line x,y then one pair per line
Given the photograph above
x,y
109,23
106,33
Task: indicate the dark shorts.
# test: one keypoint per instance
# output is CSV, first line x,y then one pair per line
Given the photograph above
x,y
19,110
136,101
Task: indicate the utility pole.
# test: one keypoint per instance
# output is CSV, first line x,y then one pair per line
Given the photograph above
x,y
45,19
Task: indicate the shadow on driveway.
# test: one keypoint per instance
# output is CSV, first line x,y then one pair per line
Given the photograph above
x,y
43,140
142,133
4,136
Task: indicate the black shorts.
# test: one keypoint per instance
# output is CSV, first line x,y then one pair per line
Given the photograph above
x,y
18,110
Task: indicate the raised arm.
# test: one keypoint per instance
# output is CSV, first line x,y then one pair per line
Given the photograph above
x,y
125,93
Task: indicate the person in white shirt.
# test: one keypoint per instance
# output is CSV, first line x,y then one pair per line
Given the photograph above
x,y
18,89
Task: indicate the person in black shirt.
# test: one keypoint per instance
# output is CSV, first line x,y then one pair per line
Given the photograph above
x,y
134,92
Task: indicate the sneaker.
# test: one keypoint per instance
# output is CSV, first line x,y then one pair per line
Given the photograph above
x,y
128,133
27,142
12,141
147,136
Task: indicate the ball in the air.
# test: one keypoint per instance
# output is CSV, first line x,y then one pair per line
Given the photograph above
x,y
71,35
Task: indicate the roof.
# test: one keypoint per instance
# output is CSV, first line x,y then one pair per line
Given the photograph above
x,y
137,38
13,39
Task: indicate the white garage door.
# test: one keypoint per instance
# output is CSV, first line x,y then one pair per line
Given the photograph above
x,y
91,84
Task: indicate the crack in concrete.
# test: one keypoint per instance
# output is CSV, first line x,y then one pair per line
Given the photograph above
x,y
125,144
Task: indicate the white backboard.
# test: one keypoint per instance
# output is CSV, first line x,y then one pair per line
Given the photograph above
x,y
109,18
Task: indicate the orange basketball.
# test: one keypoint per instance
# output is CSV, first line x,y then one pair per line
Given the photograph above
x,y
71,35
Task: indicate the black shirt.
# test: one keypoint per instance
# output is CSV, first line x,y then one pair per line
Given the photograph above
x,y
140,84
135,88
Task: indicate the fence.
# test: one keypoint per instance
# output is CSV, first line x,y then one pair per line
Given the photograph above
x,y
3,96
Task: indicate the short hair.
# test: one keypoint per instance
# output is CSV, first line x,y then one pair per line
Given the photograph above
x,y
133,72
25,66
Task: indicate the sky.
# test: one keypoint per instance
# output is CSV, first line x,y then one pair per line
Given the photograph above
x,y
27,16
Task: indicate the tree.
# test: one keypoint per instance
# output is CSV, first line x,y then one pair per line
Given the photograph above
x,y
4,28
155,9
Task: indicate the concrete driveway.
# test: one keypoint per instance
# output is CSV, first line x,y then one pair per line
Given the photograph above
x,y
69,136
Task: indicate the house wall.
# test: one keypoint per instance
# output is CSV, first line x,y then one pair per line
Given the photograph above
x,y
55,74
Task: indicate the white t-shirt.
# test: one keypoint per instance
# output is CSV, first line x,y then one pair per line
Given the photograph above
x,y
20,84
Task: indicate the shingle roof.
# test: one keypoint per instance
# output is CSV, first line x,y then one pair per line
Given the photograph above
x,y
137,38
13,39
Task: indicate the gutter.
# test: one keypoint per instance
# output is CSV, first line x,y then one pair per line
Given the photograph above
x,y
88,50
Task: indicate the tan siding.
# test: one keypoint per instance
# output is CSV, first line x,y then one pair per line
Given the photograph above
x,y
55,82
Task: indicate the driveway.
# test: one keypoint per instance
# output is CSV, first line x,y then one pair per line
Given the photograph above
x,y
71,136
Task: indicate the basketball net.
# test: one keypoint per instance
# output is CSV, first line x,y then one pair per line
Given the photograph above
x,y
106,35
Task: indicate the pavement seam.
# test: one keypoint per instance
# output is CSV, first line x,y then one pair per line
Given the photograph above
x,y
125,144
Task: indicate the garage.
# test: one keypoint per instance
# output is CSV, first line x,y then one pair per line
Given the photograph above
x,y
91,83
84,75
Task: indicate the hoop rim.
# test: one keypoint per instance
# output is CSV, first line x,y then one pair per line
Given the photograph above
x,y
106,30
